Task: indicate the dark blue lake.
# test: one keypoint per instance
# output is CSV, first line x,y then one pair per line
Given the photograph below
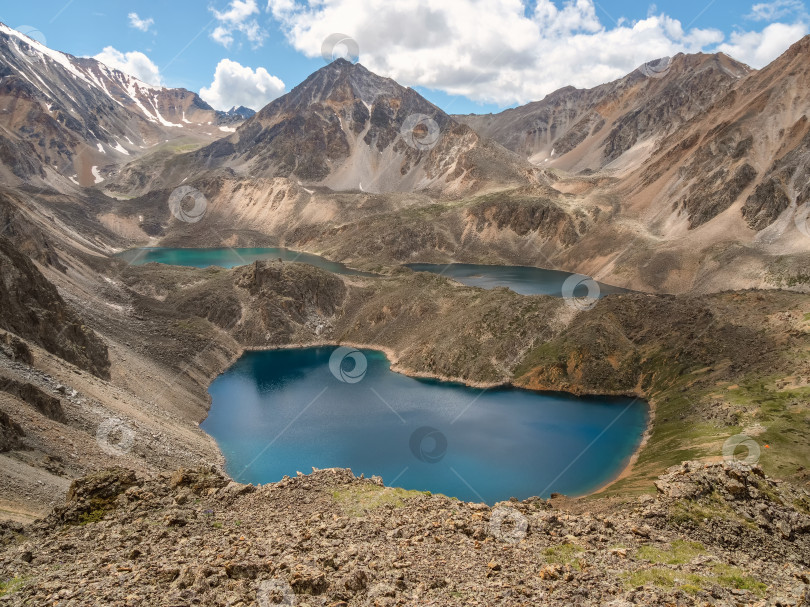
x,y
277,412
521,279
230,258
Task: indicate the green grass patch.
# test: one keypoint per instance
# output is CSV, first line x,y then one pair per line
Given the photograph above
x,y
564,554
686,512
678,553
93,516
664,578
361,498
735,578
10,586
726,576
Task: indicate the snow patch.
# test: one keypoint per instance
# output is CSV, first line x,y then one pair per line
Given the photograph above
x,y
101,148
43,50
119,148
97,178
227,129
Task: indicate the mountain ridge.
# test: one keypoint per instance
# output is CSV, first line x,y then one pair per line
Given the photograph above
x,y
612,117
77,115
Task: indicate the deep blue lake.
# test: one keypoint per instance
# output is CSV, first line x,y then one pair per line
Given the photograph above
x,y
230,258
277,412
521,279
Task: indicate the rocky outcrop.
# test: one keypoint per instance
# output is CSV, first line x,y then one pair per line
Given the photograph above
x,y
740,504
285,297
49,406
616,347
15,348
27,237
786,182
333,539
523,213
11,433
31,307
715,192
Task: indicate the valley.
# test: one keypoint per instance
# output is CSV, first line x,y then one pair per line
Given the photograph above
x,y
321,221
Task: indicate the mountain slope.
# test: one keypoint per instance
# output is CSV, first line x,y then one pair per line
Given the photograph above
x,y
748,155
63,118
347,128
588,129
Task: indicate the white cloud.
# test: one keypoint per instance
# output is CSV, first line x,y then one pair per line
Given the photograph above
x,y
238,18
133,63
140,24
235,84
760,48
495,50
771,11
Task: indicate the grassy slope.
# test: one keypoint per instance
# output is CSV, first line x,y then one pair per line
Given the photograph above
x,y
726,364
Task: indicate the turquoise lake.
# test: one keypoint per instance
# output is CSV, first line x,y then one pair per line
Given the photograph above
x,y
277,412
521,279
230,258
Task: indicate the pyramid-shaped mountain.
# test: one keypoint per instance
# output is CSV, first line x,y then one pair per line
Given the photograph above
x,y
347,128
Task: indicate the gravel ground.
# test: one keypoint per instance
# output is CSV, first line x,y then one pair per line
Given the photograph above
x,y
720,534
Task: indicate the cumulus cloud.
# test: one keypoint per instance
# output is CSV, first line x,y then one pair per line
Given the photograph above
x,y
238,17
771,11
133,63
760,48
140,24
235,84
497,50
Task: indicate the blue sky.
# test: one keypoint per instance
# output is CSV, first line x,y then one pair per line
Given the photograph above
x,y
464,55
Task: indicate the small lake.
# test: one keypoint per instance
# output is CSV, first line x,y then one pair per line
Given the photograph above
x,y
230,257
277,412
521,279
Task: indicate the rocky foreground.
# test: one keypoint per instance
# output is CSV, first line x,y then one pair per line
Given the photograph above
x,y
715,534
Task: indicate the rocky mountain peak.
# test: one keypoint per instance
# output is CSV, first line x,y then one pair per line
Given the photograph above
x,y
241,111
339,82
343,127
